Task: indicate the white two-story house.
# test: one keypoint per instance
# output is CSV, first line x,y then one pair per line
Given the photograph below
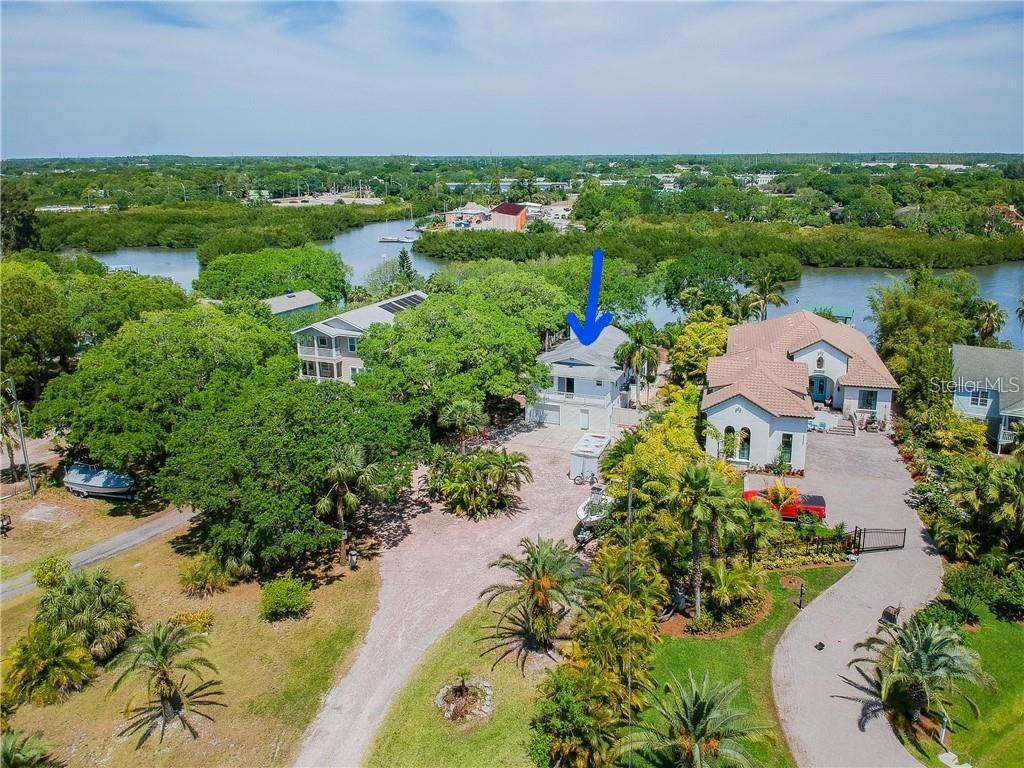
x,y
329,350
762,392
988,385
586,384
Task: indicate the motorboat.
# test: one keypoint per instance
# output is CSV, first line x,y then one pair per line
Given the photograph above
x,y
594,509
92,480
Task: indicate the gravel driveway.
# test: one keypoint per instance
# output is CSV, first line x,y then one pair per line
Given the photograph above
x,y
433,567
828,712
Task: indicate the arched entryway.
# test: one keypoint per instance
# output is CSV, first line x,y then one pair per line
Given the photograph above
x,y
821,388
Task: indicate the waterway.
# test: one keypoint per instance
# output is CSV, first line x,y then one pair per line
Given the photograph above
x,y
361,250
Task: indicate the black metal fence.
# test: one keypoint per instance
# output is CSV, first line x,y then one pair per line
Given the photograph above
x,y
877,539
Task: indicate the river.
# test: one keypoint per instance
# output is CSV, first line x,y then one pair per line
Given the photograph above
x,y
361,251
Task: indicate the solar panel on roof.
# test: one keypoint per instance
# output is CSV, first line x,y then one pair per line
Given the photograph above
x,y
391,307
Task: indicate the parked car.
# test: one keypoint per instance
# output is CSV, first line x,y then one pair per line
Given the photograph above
x,y
805,503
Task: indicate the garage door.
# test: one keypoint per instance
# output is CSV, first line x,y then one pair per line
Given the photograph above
x,y
548,414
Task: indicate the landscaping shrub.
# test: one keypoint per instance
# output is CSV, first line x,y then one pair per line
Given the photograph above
x,y
284,598
51,571
970,584
203,576
93,608
1009,602
938,612
201,621
701,624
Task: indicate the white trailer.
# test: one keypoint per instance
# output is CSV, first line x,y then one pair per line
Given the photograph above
x,y
585,456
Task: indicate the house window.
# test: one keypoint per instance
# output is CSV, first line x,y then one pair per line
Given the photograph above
x,y
599,383
729,443
566,385
868,400
326,370
352,343
787,447
322,341
308,368
979,398
354,370
820,362
744,444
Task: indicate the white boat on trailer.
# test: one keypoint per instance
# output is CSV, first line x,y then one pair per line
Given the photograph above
x,y
92,480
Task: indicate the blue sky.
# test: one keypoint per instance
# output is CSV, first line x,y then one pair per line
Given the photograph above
x,y
116,78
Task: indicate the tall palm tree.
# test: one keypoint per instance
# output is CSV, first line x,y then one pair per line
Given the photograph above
x,y
757,522
991,319
549,581
9,434
165,659
766,291
92,607
466,417
639,356
26,750
697,725
922,665
347,475
743,308
693,498
44,666
726,520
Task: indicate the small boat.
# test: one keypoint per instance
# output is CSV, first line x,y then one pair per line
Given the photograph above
x,y
389,239
92,480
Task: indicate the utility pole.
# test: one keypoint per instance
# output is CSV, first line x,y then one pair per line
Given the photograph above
x,y
21,437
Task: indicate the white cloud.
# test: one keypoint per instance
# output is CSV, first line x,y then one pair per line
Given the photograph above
x,y
510,78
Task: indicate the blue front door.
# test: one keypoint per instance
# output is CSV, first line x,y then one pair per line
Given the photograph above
x,y
819,388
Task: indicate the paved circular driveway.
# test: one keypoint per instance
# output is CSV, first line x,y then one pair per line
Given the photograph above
x,y
829,714
432,570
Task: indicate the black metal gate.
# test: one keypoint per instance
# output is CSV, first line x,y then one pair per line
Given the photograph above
x,y
878,539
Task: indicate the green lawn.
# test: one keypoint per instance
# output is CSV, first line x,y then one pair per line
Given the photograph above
x,y
747,656
996,740
414,734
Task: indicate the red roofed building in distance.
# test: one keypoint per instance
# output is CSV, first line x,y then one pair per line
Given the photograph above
x,y
510,217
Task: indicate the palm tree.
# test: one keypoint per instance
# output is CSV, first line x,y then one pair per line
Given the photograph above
x,y
693,497
639,355
766,291
757,522
164,659
697,725
549,580
726,520
92,607
922,666
347,475
506,471
734,584
26,750
991,318
466,417
970,485
743,308
780,495
9,434
1006,494
953,538
44,666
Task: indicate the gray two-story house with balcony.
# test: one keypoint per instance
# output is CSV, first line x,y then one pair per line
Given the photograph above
x,y
329,350
988,385
586,384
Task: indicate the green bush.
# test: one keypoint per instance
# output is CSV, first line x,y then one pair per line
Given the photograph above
x,y
51,571
284,598
938,612
969,585
1009,602
702,624
203,576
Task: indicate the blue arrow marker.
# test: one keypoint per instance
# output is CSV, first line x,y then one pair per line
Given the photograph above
x,y
592,325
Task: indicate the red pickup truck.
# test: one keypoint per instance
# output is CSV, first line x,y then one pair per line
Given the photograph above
x,y
805,503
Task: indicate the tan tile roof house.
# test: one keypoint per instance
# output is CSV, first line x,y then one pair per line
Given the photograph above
x,y
765,388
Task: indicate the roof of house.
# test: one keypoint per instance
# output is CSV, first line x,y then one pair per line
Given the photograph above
x,y
355,321
287,302
794,331
993,368
598,358
776,384
471,208
509,209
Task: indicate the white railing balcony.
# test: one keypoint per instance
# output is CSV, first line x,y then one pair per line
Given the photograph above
x,y
1006,436
320,353
574,397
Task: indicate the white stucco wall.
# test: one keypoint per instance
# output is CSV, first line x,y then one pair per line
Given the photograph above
x,y
851,401
599,418
835,361
765,432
